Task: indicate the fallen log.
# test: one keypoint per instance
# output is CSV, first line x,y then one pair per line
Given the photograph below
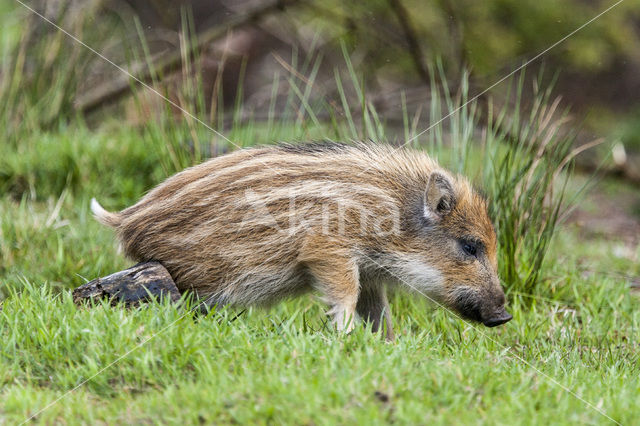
x,y
141,283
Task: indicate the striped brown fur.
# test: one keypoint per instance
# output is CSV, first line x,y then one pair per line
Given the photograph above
x,y
259,225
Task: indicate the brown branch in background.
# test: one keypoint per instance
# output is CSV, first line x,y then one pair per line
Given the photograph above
x,y
115,89
412,39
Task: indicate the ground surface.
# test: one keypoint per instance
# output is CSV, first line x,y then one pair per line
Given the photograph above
x,y
610,210
569,356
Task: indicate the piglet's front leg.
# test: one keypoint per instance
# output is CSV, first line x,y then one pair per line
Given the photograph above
x,y
373,307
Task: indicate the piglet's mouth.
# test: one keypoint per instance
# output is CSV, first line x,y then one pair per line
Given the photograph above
x,y
471,311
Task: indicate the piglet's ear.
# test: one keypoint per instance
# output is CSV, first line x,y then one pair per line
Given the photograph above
x,y
439,196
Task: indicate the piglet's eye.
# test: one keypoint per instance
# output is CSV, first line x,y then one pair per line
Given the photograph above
x,y
469,248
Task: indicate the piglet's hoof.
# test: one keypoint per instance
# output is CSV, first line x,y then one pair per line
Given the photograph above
x,y
139,284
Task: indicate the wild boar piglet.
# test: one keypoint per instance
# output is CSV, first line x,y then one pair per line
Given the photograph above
x,y
259,225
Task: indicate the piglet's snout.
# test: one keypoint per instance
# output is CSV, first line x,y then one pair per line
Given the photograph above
x,y
499,318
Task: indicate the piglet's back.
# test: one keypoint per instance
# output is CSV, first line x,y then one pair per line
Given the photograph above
x,y
245,217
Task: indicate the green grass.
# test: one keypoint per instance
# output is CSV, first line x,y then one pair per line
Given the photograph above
x,y
267,367
285,364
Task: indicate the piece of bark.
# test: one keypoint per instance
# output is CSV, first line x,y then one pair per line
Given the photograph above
x,y
139,284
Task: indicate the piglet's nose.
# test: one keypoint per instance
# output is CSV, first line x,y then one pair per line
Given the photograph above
x,y
503,317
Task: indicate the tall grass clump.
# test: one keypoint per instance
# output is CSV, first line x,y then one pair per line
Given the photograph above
x,y
179,130
520,154
527,162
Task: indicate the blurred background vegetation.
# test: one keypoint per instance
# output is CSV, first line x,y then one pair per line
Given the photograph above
x,y
235,49
169,84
